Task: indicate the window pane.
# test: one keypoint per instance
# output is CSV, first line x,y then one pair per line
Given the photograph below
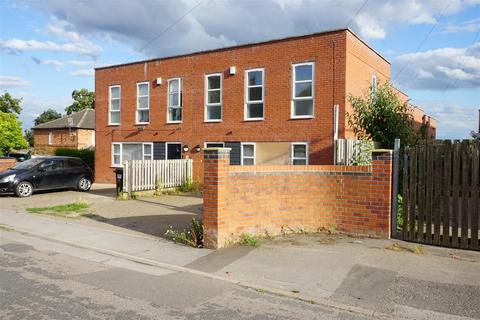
x,y
143,103
303,89
214,145
143,116
248,150
115,104
255,94
115,92
254,78
304,108
175,114
214,96
214,113
173,86
299,162
174,99
147,149
143,89
115,118
299,151
132,152
116,159
116,148
214,82
303,72
255,110
248,161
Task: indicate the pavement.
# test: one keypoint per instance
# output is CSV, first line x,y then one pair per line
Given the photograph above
x,y
361,277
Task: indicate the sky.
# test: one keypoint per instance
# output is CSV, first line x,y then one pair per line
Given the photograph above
x,y
48,48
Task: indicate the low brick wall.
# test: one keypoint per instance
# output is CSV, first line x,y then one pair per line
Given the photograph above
x,y
7,163
260,199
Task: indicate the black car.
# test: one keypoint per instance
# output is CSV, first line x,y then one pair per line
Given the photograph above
x,y
46,173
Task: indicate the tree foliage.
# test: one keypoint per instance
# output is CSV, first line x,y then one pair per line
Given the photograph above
x,y
82,99
382,117
46,116
28,135
9,104
11,135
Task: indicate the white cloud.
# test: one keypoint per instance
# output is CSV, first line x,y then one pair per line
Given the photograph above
x,y
464,26
439,69
15,45
83,73
49,62
12,82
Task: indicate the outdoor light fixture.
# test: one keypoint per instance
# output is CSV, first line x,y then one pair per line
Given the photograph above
x,y
197,148
232,71
185,148
158,81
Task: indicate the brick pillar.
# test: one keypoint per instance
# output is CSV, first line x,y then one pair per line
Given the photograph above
x,y
216,163
381,192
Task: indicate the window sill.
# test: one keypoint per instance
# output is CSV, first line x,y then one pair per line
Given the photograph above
x,y
301,117
212,121
142,123
253,119
113,124
173,122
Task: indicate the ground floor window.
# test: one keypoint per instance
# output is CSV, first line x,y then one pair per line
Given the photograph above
x,y
214,144
299,153
124,151
248,153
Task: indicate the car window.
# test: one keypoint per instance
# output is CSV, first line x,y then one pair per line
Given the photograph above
x,y
73,163
27,164
49,165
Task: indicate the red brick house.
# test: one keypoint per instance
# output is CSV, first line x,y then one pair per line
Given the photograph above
x,y
272,102
76,131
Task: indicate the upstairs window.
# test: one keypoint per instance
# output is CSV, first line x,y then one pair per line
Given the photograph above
x,y
299,153
143,103
174,100
114,105
248,154
254,94
213,98
303,84
50,137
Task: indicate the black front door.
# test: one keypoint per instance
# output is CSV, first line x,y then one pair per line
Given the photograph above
x,y
174,151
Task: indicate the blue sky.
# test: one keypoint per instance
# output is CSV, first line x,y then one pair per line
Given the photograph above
x,y
49,48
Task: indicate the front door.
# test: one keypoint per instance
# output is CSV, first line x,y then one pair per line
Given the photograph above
x,y
174,151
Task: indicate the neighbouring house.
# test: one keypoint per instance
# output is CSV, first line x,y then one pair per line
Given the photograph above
x,y
275,102
76,131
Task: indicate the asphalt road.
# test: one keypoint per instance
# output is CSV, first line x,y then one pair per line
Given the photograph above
x,y
36,283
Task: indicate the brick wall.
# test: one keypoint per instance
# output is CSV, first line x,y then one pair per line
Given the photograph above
x,y
62,138
6,163
259,199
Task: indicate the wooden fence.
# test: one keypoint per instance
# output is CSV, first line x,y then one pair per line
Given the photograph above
x,y
139,175
441,194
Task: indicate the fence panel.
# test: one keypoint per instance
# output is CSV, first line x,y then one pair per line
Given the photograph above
x,y
441,194
140,175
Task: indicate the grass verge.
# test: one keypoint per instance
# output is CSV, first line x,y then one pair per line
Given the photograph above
x,y
69,210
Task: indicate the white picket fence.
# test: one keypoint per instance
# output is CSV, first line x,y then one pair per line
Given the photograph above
x,y
354,152
139,175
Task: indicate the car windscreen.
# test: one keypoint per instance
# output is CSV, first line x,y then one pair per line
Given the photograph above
x,y
29,164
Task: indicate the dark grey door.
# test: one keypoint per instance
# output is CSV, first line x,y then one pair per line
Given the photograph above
x,y
174,151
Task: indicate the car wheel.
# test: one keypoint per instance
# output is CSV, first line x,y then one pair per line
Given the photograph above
x,y
84,184
24,189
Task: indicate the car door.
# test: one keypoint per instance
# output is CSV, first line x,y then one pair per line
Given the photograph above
x,y
74,170
51,174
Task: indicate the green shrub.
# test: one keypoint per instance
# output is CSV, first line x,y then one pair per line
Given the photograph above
x,y
87,155
192,237
189,186
399,211
250,240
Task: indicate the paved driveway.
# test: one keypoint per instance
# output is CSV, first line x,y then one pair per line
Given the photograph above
x,y
148,216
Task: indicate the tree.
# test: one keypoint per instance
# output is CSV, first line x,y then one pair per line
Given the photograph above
x,y
11,136
83,99
28,135
8,104
382,117
46,116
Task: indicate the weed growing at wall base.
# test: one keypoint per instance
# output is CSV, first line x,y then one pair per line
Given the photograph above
x,y
192,236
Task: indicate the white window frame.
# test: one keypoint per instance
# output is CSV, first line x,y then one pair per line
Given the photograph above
x,y
50,137
312,97
148,102
110,123
292,154
180,100
173,142
254,152
374,86
121,151
208,142
247,101
213,104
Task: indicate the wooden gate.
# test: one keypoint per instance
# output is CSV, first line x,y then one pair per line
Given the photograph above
x,y
441,194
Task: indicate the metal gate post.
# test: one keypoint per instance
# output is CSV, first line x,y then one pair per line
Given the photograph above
x,y
396,155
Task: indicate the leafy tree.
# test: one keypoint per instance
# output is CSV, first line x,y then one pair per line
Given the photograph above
x,y
382,117
83,99
11,136
28,135
8,104
46,116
